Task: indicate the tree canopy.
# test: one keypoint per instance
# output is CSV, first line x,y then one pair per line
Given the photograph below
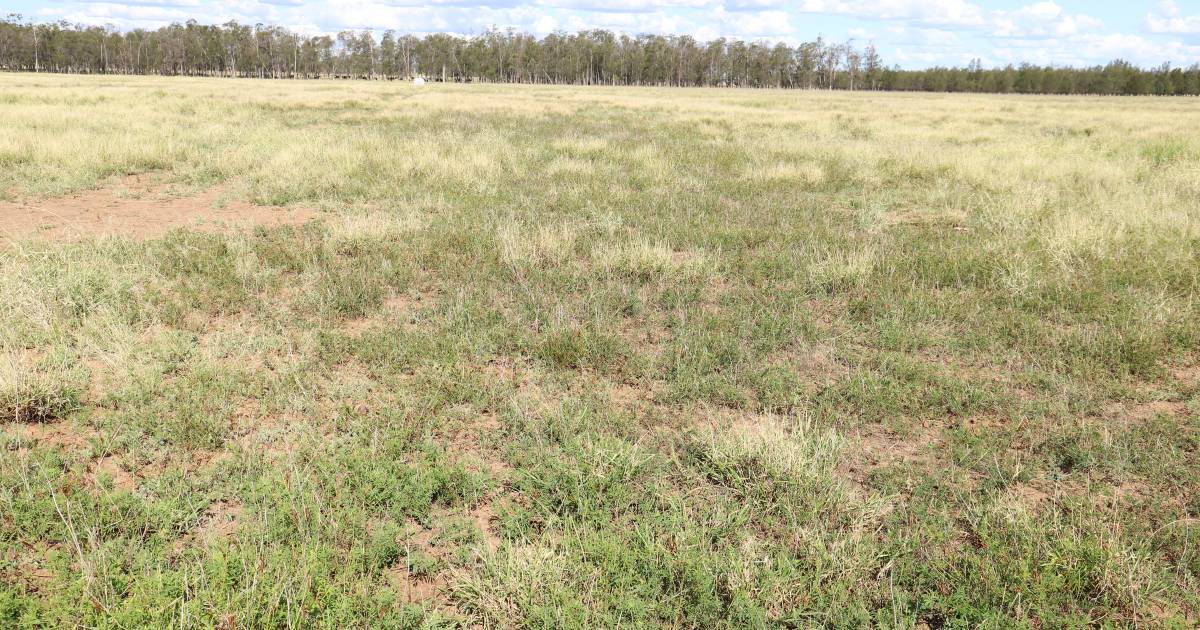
x,y
588,58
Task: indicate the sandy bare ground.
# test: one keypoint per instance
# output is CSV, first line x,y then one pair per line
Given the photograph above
x,y
135,207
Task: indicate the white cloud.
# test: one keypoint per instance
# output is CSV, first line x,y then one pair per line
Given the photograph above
x,y
769,24
1043,19
1171,20
927,37
545,24
1096,49
942,12
624,6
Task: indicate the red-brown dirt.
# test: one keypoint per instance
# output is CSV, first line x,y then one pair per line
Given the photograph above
x,y
135,207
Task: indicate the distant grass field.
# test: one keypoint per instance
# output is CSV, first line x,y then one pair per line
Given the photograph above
x,y
594,357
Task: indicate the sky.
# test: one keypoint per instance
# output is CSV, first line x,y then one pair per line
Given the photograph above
x,y
911,33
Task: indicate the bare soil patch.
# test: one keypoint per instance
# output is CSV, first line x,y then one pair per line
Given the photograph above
x,y
483,515
120,478
218,523
426,588
61,433
1140,412
136,207
1187,375
417,589
874,447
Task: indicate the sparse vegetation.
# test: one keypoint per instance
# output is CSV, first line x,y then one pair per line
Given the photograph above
x,y
565,357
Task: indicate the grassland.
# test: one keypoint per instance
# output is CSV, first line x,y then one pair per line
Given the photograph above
x,y
567,357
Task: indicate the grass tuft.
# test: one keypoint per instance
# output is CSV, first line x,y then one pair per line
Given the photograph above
x,y
36,393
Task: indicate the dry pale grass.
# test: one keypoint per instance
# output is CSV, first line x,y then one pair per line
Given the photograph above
x,y
1032,179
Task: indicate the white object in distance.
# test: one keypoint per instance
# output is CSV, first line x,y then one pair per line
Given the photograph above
x,y
418,81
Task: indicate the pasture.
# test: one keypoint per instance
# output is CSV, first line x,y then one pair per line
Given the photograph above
x,y
361,354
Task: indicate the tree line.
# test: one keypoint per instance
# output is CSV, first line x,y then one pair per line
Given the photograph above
x,y
588,57
1116,77
593,57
